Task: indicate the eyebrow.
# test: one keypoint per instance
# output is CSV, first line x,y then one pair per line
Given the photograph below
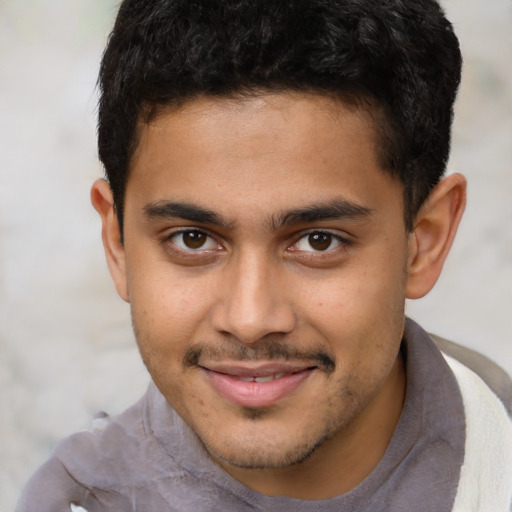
x,y
331,210
194,213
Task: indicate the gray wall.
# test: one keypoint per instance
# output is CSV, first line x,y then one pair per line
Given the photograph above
x,y
66,347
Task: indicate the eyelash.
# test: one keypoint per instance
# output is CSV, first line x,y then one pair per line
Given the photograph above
x,y
343,243
170,244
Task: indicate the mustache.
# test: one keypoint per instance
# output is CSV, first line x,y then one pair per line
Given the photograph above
x,y
265,350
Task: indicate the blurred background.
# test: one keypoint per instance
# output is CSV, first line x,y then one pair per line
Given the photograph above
x,y
66,346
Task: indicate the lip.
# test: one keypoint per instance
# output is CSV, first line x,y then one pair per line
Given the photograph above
x,y
226,380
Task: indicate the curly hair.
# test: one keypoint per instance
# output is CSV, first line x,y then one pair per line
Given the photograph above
x,y
398,57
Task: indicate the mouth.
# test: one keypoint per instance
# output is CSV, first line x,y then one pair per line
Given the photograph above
x,y
256,386
267,378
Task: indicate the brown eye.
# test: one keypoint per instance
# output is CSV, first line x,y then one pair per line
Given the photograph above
x,y
194,240
320,241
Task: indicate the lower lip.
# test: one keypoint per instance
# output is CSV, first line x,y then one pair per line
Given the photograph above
x,y
256,394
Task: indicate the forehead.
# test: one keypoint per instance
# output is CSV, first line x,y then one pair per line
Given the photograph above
x,y
266,150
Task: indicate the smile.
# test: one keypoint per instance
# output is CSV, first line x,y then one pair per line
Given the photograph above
x,y
268,378
261,386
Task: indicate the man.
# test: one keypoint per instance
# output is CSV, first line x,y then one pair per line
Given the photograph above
x,y
274,195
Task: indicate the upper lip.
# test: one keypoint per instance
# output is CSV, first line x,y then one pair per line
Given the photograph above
x,y
256,368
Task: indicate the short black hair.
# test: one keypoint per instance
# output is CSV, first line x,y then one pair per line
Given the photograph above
x,y
400,56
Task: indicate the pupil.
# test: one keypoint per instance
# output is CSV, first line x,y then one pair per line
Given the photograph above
x,y
320,241
194,239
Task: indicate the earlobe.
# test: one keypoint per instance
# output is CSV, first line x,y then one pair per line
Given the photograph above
x,y
103,202
434,230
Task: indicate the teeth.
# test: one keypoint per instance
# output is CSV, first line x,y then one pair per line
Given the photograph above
x,y
267,378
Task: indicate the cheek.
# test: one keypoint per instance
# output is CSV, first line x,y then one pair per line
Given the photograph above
x,y
358,295
359,311
165,321
168,311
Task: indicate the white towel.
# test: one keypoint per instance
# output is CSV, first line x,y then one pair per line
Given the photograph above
x,y
486,476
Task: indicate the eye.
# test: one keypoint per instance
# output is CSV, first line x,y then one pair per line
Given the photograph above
x,y
318,241
193,240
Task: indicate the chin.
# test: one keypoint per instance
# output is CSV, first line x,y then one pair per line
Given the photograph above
x,y
268,452
260,458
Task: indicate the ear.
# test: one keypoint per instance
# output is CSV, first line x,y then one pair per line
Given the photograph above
x,y
434,230
103,201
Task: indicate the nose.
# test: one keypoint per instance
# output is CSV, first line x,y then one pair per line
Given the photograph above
x,y
253,302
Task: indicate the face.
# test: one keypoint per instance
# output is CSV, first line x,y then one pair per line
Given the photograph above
x,y
266,257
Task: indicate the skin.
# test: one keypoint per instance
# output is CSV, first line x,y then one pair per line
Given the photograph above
x,y
234,256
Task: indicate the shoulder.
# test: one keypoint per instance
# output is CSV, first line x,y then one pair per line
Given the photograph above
x,y
486,474
144,459
89,467
492,374
485,478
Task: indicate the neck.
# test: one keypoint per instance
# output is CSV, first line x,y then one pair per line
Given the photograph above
x,y
343,461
